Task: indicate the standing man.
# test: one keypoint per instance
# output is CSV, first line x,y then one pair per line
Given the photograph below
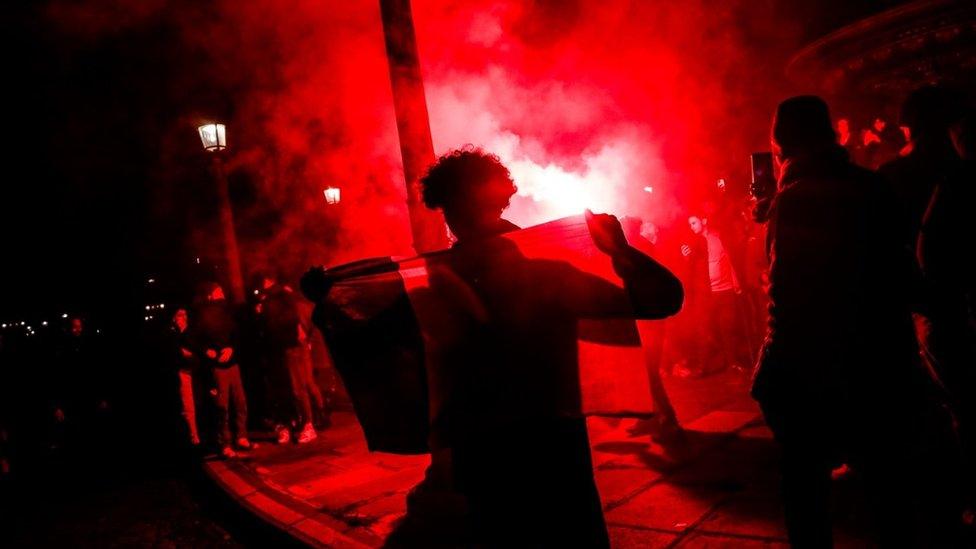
x,y
287,345
80,400
839,378
725,315
184,361
216,342
664,427
505,364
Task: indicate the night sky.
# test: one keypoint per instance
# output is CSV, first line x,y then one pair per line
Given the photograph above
x,y
104,181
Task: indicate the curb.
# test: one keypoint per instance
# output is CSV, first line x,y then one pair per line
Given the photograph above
x,y
301,521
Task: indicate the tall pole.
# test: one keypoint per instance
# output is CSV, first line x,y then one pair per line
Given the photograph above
x,y
231,253
413,124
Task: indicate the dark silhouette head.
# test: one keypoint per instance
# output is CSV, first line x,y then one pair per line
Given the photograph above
x,y
77,327
929,112
802,125
472,188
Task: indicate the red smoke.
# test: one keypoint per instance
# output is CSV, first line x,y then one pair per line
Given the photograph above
x,y
587,102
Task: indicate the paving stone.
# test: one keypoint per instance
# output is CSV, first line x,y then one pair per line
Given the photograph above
x,y
389,504
731,466
721,421
326,535
756,431
356,486
267,506
666,507
709,541
636,538
752,515
234,482
618,483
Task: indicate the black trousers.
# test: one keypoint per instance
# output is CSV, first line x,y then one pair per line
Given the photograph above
x,y
907,462
530,484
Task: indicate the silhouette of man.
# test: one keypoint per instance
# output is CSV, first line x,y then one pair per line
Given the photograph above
x,y
508,402
217,343
839,378
927,113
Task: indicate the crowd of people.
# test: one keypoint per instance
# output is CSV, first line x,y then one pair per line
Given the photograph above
x,y
868,359
206,345
846,292
195,376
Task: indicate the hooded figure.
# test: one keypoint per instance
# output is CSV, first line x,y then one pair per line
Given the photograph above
x,y
839,378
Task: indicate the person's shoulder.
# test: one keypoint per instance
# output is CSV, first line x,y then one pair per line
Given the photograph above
x,y
898,168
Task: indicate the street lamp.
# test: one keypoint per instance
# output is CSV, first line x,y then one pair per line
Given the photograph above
x,y
332,195
213,136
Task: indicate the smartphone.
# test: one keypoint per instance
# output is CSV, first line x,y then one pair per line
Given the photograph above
x,y
763,179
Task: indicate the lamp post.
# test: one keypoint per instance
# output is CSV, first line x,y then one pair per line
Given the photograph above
x,y
332,195
213,136
413,125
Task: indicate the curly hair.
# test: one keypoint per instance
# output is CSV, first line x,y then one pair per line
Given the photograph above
x,y
468,174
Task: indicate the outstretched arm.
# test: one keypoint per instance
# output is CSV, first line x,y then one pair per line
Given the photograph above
x,y
650,290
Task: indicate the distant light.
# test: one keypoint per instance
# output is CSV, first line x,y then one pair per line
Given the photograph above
x,y
148,307
213,137
162,305
23,323
648,189
145,318
151,280
97,331
332,195
65,315
44,323
198,261
256,292
4,325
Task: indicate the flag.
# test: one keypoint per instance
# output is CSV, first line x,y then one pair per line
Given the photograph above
x,y
406,333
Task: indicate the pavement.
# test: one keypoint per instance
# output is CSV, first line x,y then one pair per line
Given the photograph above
x,y
717,489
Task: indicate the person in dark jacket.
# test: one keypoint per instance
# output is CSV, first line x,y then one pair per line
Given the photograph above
x,y
947,254
80,385
289,358
215,338
184,362
927,113
507,381
839,378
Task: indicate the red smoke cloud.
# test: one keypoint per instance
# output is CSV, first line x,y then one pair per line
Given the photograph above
x,y
588,102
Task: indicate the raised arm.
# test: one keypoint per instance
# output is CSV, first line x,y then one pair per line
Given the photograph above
x,y
650,291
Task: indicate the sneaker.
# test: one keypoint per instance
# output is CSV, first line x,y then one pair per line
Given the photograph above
x,y
284,435
228,453
308,434
245,444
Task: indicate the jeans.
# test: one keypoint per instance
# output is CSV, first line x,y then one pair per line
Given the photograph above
x,y
189,407
298,362
230,388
